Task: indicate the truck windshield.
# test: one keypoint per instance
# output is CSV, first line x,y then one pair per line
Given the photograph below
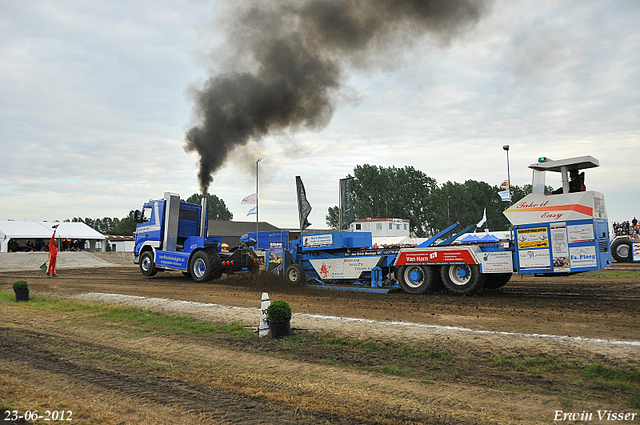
x,y
146,215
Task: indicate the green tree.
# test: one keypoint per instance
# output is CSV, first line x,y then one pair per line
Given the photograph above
x,y
125,226
381,192
408,193
110,226
333,217
217,208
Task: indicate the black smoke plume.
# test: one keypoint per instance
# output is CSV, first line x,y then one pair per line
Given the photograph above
x,y
290,58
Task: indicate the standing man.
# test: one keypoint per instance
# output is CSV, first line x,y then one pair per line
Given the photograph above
x,y
53,254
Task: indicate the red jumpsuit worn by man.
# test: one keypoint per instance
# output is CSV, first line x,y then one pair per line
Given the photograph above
x,y
53,255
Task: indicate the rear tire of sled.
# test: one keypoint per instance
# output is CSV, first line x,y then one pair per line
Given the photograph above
x,y
295,274
462,278
497,280
416,279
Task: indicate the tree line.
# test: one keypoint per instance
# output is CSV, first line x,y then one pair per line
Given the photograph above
x,y
126,226
407,193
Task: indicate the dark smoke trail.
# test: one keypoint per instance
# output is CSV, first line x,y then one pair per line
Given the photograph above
x,y
295,54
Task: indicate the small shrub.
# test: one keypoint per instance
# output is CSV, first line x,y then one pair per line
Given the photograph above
x,y
20,285
279,311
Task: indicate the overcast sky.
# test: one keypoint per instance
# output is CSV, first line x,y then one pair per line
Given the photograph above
x,y
95,102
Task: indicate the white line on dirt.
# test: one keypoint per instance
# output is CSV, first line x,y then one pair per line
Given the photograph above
x,y
116,298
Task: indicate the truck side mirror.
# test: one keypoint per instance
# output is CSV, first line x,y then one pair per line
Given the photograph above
x,y
136,216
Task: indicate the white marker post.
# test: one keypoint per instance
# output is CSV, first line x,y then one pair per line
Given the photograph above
x,y
264,325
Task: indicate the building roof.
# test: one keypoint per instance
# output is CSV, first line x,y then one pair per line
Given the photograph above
x,y
236,228
363,220
120,238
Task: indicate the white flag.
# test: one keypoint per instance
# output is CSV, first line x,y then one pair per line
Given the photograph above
x,y
484,219
505,195
249,200
253,210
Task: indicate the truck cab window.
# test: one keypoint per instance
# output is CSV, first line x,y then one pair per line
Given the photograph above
x,y
146,215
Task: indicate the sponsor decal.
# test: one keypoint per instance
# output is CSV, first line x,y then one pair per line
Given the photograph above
x,y
317,241
436,257
580,233
496,262
534,259
533,238
583,256
164,259
551,212
344,268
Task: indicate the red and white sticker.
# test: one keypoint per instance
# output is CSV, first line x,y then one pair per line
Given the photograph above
x,y
435,256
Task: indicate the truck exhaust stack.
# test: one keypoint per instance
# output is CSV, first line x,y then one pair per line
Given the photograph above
x,y
203,216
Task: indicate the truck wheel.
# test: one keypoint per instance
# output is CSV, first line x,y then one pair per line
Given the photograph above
x,y
147,264
295,274
621,250
462,278
200,267
216,265
497,280
416,279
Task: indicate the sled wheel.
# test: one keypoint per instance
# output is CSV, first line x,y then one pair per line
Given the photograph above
x,y
497,280
416,279
462,278
295,274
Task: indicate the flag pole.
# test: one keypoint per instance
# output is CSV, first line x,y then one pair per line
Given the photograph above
x,y
257,200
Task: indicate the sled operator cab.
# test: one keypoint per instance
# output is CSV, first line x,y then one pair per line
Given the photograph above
x,y
564,231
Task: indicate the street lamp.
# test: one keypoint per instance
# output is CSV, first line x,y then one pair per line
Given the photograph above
x,y
257,198
506,148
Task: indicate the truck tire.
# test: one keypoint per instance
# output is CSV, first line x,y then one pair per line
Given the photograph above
x,y
497,280
147,264
216,265
621,250
201,267
416,279
462,278
295,274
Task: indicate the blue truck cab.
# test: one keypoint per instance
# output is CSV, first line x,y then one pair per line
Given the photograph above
x,y
172,235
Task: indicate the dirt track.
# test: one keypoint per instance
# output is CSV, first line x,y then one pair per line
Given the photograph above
x,y
572,318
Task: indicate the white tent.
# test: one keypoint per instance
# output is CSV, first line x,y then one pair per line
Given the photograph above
x,y
22,231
